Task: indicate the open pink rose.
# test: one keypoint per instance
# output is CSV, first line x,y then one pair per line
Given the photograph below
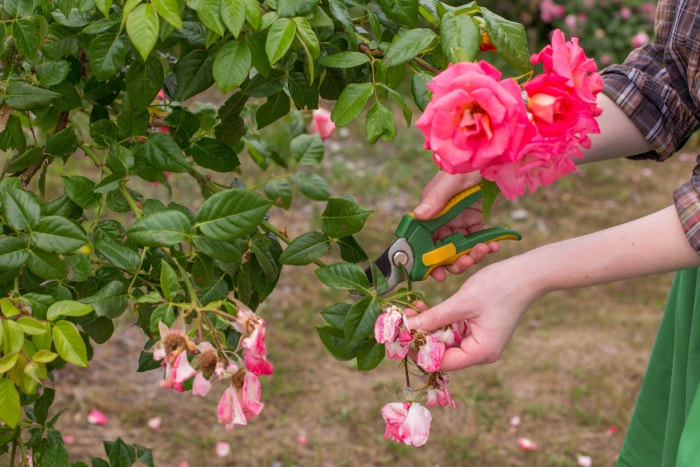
x,y
407,423
474,119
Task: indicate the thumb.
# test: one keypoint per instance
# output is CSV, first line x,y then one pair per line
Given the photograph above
x,y
439,191
469,353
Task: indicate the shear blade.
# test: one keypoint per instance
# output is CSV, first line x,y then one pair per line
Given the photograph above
x,y
384,266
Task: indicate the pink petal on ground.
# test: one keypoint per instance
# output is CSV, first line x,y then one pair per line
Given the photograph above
x,y
585,461
514,423
184,464
68,439
526,444
95,417
223,449
154,423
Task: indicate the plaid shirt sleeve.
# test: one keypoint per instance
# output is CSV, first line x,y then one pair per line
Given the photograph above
x,y
658,87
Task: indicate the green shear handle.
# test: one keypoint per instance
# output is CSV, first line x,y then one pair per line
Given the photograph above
x,y
429,254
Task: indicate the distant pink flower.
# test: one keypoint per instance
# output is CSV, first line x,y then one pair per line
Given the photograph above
x,y
95,417
527,444
639,39
321,123
407,423
625,12
550,11
570,21
223,449
68,439
474,118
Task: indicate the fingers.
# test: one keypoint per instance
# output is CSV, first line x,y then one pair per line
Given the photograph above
x,y
434,318
470,353
440,189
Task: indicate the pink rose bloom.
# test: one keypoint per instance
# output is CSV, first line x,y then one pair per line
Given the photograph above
x,y
568,60
639,39
407,423
430,354
321,123
391,329
550,11
474,119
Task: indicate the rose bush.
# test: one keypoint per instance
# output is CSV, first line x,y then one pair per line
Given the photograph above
x,y
99,99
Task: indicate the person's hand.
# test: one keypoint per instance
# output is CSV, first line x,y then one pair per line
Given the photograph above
x,y
491,302
433,199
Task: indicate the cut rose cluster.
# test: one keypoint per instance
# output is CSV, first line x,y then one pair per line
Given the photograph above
x,y
408,421
520,137
240,401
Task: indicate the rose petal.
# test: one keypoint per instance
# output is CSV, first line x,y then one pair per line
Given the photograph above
x,y
95,417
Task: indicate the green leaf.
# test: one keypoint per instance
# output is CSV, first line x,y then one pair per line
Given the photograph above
x,y
227,252
304,94
343,217
351,102
163,153
69,344
62,143
13,252
369,355
7,362
419,90
169,10
103,6
58,235
32,326
169,282
44,356
10,408
20,209
359,322
312,185
306,248
308,37
13,338
23,96
165,228
233,14
142,26
209,14
346,59
292,8
345,276
46,265
231,214
279,191
194,74
350,250
510,40
80,190
380,123
110,301
334,342
213,154
78,267
143,81
107,53
26,33
276,107
22,162
279,39
459,37
307,149
118,255
232,65
402,11
335,314
489,192
67,308
52,72
407,45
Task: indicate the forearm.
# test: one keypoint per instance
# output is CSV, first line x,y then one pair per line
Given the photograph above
x,y
618,137
649,245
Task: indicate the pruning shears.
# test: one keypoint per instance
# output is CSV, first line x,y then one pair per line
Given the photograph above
x,y
415,254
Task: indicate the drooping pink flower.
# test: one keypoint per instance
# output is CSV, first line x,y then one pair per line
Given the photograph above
x,y
240,401
438,394
321,123
526,444
177,372
95,417
208,362
430,353
407,423
252,327
391,329
474,118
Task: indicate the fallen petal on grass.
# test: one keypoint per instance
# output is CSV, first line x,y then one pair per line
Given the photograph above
x,y
527,444
95,417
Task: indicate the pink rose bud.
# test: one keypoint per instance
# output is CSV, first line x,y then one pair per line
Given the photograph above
x,y
321,123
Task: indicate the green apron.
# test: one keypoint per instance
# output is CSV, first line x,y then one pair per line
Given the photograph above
x,y
665,426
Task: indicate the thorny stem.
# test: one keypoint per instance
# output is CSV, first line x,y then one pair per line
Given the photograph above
x,y
130,200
